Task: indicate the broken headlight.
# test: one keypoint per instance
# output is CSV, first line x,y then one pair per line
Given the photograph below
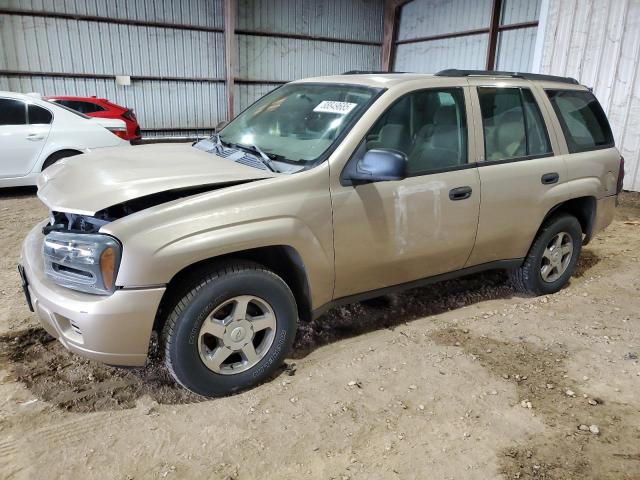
x,y
85,262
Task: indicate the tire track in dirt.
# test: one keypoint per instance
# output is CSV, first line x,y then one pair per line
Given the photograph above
x,y
72,383
565,452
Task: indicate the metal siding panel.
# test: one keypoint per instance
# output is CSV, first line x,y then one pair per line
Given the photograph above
x,y
270,58
50,45
158,104
598,42
202,13
353,20
518,11
467,52
515,49
421,18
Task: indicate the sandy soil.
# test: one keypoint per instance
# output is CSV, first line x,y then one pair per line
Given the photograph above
x,y
463,379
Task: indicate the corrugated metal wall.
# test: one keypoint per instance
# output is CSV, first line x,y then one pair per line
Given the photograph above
x,y
178,70
181,68
429,18
598,42
267,61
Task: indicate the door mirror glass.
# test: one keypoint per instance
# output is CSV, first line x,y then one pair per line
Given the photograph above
x,y
380,165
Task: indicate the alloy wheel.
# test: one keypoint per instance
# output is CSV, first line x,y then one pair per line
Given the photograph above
x,y
556,257
237,334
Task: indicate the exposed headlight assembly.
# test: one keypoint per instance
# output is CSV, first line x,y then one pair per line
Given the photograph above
x,y
85,262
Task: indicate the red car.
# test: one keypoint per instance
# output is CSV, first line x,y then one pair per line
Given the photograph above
x,y
102,108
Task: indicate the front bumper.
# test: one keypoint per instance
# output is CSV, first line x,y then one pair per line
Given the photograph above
x,y
113,329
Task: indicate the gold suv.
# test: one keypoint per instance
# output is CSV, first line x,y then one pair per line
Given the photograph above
x,y
325,191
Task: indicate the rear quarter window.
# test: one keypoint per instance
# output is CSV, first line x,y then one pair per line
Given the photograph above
x,y
39,115
583,121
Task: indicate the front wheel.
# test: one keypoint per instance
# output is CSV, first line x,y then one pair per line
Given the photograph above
x,y
552,257
231,330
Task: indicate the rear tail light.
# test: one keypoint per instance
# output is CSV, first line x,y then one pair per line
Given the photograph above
x,y
118,131
620,176
129,115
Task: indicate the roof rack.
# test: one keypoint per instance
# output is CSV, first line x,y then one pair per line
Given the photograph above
x,y
452,72
367,72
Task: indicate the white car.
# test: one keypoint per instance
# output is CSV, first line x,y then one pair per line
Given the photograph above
x,y
35,133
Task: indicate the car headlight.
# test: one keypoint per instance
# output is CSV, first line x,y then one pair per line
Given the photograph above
x,y
85,262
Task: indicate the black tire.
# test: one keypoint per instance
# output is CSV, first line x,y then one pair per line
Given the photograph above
x,y
527,279
204,293
54,157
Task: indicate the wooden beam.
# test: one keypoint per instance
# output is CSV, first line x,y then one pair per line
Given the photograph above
x,y
443,36
298,36
388,34
493,34
230,60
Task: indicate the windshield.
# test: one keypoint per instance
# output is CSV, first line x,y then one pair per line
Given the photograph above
x,y
299,121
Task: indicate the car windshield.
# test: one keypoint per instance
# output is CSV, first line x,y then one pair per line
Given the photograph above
x,y
298,122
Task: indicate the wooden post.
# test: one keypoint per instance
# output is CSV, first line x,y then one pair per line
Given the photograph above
x,y
493,34
230,52
388,34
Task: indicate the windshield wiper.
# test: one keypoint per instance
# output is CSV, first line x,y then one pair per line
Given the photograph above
x,y
263,157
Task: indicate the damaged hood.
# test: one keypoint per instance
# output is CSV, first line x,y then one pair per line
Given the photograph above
x,y
86,184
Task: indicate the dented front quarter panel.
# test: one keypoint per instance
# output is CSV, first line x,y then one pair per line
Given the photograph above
x,y
288,210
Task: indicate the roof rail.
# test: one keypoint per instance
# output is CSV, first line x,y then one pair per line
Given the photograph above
x,y
452,72
367,72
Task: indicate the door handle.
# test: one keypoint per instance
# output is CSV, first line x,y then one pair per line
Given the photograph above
x,y
34,137
549,178
460,193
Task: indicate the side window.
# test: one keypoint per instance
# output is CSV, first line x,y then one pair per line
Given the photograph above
x,y
512,124
39,115
583,121
88,107
12,112
429,126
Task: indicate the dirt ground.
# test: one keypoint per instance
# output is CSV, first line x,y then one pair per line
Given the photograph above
x,y
460,380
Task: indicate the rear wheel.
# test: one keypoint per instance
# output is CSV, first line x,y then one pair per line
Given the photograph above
x,y
552,257
231,330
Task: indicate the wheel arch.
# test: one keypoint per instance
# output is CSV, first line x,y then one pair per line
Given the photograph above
x,y
283,260
71,151
583,208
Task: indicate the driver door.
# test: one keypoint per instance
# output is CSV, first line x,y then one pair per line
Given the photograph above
x,y
389,233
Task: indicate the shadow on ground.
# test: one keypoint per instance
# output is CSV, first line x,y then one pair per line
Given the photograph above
x,y
72,383
17,192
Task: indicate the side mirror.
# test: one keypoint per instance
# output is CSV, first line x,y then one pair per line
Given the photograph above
x,y
221,125
380,165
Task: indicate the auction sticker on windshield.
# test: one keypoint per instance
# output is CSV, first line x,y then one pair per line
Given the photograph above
x,y
330,106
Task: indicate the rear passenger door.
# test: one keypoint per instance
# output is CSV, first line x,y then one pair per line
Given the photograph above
x,y
521,174
24,129
388,233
